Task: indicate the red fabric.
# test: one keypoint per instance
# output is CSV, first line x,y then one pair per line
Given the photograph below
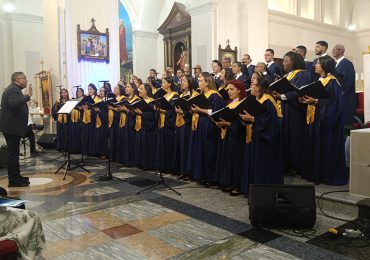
x,y
7,247
360,103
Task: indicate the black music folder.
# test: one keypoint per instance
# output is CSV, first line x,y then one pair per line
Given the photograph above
x,y
225,95
182,103
282,86
87,100
160,93
315,90
225,113
251,105
142,105
201,101
163,103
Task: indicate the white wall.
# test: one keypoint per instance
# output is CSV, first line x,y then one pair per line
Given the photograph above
x,y
6,52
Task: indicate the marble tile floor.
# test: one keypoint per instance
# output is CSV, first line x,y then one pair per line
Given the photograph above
x,y
87,219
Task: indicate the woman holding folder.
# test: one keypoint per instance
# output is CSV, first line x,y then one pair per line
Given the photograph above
x,y
146,126
62,120
230,149
264,164
324,153
183,128
127,133
113,120
293,122
204,135
166,127
74,135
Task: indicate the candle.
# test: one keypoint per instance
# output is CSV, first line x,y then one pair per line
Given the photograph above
x,y
362,76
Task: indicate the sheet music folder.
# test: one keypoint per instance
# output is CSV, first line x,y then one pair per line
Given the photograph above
x,y
68,107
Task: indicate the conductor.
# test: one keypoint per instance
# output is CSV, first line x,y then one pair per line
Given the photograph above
x,y
13,123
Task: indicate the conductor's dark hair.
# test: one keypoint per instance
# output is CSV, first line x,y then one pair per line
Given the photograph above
x,y
327,64
323,43
298,61
271,50
303,48
15,75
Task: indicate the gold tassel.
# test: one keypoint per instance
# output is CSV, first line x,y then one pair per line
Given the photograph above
x,y
110,117
223,133
122,120
98,121
248,133
180,120
162,117
75,115
310,116
86,117
194,121
138,123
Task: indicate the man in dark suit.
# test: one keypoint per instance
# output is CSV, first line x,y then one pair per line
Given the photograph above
x,y
13,123
216,71
346,77
320,49
237,71
302,50
247,68
273,69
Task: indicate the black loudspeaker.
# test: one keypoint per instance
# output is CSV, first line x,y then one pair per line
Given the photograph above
x,y
290,206
47,141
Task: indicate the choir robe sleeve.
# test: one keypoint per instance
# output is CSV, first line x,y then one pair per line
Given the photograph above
x,y
330,109
103,115
346,77
216,104
54,111
238,129
264,124
149,120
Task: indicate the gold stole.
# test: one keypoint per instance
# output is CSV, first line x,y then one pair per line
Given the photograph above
x,y
111,113
195,117
138,121
86,119
262,100
97,120
122,119
75,115
154,90
310,116
62,118
290,76
231,106
180,121
162,116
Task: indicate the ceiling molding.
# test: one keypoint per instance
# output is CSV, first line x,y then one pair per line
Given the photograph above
x,y
26,18
145,34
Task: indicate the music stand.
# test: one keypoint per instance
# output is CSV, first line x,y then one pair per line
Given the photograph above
x,y
66,110
161,180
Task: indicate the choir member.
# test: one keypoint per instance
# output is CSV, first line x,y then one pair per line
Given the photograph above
x,y
75,125
273,69
247,68
294,115
302,50
265,162
183,129
62,120
237,71
346,77
113,120
321,48
146,126
127,133
225,76
166,129
216,70
204,136
101,131
231,144
324,154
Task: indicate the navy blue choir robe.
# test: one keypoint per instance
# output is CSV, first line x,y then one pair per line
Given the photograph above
x,y
113,124
273,70
265,162
101,133
182,140
62,122
166,137
346,78
146,140
294,122
324,147
230,153
127,137
87,131
309,68
74,135
203,142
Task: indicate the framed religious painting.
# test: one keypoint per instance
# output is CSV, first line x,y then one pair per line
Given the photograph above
x,y
92,44
227,56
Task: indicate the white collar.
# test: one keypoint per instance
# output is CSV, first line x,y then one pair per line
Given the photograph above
x,y
238,75
322,55
339,60
269,63
217,75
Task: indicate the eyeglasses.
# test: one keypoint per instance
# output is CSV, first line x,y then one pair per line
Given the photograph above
x,y
22,78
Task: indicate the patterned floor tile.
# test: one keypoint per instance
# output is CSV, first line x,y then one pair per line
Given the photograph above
x,y
121,231
102,220
159,221
100,191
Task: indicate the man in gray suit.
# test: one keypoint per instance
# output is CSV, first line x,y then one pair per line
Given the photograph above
x,y
13,123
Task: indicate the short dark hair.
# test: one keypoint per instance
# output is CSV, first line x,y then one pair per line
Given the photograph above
x,y
328,64
218,63
297,60
15,75
323,43
182,71
271,50
303,48
153,71
238,63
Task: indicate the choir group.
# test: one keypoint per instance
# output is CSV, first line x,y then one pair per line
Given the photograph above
x,y
294,134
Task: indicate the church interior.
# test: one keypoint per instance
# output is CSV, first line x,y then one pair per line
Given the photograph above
x,y
85,200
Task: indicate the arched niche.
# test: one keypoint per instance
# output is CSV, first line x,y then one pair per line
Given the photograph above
x,y
176,31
